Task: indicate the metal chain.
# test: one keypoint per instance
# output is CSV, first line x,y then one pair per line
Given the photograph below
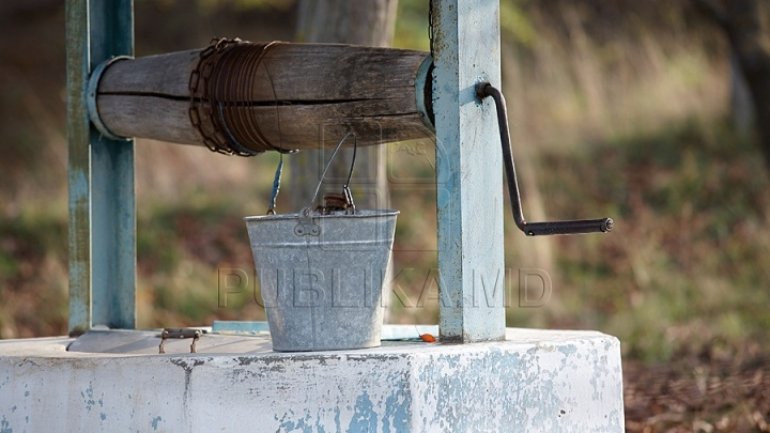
x,y
221,88
202,116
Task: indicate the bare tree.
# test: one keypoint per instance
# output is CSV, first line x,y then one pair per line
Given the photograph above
x,y
359,22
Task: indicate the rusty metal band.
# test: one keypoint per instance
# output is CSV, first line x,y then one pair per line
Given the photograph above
x,y
223,99
224,104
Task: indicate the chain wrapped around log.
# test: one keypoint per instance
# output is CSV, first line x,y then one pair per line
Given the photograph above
x,y
243,98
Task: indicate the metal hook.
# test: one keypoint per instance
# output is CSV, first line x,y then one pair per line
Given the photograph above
x,y
601,225
276,186
346,187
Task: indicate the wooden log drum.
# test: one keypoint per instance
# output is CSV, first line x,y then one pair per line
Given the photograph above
x,y
245,98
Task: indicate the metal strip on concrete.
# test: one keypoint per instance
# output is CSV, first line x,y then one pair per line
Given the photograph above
x,y
538,381
389,332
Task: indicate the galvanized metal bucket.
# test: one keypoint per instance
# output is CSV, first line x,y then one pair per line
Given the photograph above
x,y
321,277
321,272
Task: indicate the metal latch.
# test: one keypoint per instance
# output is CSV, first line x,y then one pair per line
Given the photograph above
x,y
305,226
179,333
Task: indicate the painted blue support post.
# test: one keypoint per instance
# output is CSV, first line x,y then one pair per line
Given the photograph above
x,y
102,226
466,50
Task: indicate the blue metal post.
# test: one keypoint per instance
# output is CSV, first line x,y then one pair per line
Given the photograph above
x,y
102,227
466,45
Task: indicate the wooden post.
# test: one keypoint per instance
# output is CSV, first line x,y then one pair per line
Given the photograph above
x,y
102,226
468,171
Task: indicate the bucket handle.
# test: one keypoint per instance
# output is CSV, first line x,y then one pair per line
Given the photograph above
x,y
346,187
306,226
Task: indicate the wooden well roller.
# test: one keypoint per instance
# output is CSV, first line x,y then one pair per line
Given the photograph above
x,y
248,98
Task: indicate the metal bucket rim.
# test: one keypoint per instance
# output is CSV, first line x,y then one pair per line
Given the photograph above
x,y
360,213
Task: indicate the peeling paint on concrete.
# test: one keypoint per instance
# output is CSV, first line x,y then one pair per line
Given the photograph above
x,y
5,426
155,422
364,415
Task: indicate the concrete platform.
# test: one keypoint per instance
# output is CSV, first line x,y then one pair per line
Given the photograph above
x,y
537,381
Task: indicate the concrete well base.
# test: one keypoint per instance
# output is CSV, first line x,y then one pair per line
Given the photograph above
x,y
536,381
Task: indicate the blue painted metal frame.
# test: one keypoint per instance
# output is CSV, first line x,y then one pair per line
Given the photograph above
x,y
102,226
469,185
466,41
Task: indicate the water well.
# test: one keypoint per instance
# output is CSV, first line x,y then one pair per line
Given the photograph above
x,y
480,376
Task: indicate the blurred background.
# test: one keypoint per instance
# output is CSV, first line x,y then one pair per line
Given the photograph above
x,y
640,110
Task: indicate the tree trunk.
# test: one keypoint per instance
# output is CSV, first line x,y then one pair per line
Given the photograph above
x,y
359,22
747,26
748,29
741,105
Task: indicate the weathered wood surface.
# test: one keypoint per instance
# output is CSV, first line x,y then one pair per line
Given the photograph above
x,y
304,95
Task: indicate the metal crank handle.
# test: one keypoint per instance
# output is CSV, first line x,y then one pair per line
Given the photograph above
x,y
567,227
601,225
